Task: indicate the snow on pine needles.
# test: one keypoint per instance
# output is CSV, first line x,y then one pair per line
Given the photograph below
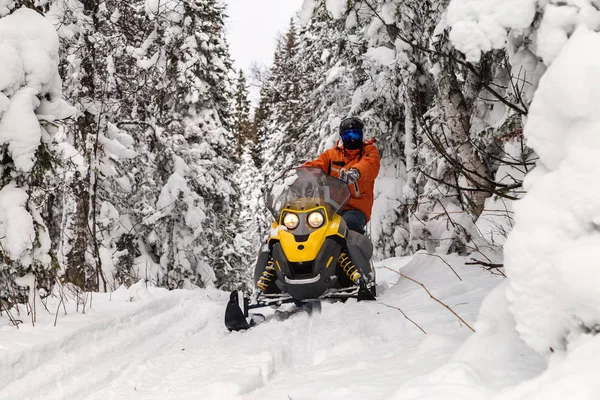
x,y
30,104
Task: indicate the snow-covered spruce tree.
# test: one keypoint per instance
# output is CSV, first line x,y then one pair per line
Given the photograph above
x,y
279,115
94,43
254,222
31,104
193,228
262,113
249,180
154,78
328,62
379,96
278,120
243,129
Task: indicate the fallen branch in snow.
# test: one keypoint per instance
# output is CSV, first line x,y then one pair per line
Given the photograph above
x,y
489,266
405,316
432,296
438,300
445,262
485,264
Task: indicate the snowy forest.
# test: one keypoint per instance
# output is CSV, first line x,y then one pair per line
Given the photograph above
x,y
148,163
130,153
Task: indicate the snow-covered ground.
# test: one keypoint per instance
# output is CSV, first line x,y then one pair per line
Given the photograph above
x,y
141,343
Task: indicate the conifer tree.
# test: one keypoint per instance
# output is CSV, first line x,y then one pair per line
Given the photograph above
x,y
31,107
193,226
157,185
101,84
243,129
279,115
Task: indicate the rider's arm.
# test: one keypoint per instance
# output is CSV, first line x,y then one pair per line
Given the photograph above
x,y
321,162
368,166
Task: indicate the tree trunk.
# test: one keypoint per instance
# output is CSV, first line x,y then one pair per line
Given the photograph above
x,y
457,111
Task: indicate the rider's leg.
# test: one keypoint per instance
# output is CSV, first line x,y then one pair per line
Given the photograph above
x,y
358,249
355,219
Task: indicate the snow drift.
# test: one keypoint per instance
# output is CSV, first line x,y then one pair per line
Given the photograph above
x,y
551,255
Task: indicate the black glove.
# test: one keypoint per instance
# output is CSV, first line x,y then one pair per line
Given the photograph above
x,y
350,176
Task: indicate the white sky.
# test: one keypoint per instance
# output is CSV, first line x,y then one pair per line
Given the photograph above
x,y
252,28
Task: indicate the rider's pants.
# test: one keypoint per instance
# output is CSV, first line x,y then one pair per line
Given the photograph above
x,y
355,219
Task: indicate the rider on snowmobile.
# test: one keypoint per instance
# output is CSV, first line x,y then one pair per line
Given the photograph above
x,y
355,162
317,249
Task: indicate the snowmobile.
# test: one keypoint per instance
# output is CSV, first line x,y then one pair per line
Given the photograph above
x,y
310,254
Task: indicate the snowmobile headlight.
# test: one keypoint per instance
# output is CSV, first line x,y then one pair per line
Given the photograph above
x,y
291,221
315,219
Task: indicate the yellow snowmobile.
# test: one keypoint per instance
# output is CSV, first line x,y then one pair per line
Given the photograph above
x,y
310,253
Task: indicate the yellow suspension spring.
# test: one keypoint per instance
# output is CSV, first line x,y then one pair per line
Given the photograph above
x,y
348,267
266,278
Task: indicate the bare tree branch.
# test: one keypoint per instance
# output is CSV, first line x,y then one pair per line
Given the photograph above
x,y
487,265
445,262
405,316
394,32
433,297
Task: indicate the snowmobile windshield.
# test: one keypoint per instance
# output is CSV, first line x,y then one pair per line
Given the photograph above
x,y
305,188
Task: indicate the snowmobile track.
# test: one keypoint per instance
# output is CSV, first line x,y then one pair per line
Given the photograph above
x,y
86,361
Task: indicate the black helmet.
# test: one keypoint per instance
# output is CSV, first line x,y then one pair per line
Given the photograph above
x,y
351,123
351,132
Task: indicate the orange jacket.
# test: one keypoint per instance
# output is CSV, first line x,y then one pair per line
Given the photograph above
x,y
365,160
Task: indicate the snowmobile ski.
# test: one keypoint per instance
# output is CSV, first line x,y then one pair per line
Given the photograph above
x,y
237,316
236,312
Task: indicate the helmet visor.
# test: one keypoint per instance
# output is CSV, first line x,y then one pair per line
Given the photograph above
x,y
352,135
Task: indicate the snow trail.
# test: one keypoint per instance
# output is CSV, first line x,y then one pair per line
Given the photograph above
x,y
176,346
95,354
